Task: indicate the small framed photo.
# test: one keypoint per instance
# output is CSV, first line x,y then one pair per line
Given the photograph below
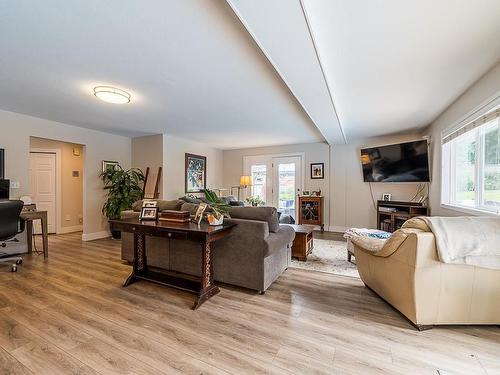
x,y
317,171
199,213
109,165
149,213
306,193
386,197
149,203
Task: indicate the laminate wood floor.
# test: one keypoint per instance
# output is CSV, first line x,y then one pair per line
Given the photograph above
x,y
70,315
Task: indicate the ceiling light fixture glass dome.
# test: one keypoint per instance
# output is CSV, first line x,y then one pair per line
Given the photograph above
x,y
112,94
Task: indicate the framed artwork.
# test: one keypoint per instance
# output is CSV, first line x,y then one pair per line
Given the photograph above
x,y
149,203
386,197
149,213
196,173
107,165
317,171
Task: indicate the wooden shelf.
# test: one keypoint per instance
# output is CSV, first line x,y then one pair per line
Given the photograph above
x,y
391,221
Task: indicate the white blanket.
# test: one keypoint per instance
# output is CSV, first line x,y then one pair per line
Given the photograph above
x,y
467,240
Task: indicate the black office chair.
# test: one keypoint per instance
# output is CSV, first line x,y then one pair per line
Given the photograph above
x,y
11,225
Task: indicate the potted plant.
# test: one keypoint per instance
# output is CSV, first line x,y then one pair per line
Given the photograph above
x,y
219,208
255,201
123,189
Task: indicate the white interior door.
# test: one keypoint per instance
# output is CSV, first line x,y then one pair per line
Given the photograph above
x,y
287,177
43,187
275,180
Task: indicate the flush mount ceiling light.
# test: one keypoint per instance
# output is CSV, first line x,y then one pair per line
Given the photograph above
x,y
112,94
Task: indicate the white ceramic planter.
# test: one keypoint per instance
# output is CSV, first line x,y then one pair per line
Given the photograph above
x,y
213,221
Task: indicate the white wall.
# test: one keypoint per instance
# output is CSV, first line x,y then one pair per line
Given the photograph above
x,y
480,91
351,201
15,133
148,152
348,201
314,153
174,150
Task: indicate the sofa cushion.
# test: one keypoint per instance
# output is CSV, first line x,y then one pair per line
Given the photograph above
x,y
268,214
191,207
161,204
191,199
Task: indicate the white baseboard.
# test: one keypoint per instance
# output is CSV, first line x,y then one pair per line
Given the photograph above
x,y
95,235
74,228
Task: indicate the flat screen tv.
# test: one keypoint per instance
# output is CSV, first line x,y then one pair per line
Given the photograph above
x,y
403,162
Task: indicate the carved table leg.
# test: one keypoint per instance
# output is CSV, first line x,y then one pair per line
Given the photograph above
x,y
29,233
140,262
208,288
45,234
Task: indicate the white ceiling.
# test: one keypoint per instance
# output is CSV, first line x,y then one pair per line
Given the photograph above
x,y
394,65
245,73
190,66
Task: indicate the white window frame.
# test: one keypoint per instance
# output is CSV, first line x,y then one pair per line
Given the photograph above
x,y
448,163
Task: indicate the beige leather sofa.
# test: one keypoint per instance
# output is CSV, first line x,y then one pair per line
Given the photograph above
x,y
409,276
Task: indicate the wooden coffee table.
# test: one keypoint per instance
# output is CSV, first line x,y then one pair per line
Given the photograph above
x,y
303,242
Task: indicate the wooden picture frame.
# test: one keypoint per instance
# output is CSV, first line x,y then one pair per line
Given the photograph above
x,y
317,171
195,173
149,214
108,164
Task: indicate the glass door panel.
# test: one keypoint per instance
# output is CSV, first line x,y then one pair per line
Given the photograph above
x,y
286,181
286,188
258,173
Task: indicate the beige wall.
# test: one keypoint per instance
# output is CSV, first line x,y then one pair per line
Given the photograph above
x,y
478,93
352,204
314,153
16,130
174,150
148,152
71,187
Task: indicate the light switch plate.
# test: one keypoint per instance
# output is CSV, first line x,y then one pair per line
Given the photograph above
x,y
15,185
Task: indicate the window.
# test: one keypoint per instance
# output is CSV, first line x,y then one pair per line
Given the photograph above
x,y
471,165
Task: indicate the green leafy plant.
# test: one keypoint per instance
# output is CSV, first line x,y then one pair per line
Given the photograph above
x,y
255,201
123,189
219,207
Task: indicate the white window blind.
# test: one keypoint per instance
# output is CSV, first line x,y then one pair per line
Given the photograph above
x,y
471,125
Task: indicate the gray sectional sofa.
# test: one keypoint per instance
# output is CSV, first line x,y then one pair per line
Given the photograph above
x,y
256,252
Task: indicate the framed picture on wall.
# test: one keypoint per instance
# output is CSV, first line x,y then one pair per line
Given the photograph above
x,y
317,171
196,173
109,165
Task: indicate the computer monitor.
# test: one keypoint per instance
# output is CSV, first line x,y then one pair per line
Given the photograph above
x,y
4,189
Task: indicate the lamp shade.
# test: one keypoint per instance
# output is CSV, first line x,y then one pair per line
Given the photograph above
x,y
246,181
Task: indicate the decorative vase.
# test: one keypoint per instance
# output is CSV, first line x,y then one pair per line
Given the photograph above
x,y
212,220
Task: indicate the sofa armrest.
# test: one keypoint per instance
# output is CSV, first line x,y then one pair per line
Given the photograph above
x,y
279,240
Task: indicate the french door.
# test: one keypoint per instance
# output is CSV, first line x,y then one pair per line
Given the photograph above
x,y
276,180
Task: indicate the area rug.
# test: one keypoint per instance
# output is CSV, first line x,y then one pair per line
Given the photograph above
x,y
328,256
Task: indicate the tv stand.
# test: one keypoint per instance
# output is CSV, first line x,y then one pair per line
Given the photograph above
x,y
392,214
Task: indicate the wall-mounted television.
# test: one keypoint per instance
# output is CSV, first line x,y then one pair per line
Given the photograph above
x,y
402,162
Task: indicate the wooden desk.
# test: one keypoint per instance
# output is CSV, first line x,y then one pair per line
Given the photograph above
x,y
204,234
29,216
